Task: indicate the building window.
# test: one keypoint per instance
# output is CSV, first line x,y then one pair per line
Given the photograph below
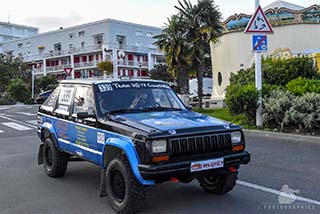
x,y
98,39
82,44
219,78
139,33
81,33
57,47
121,41
149,34
20,45
28,44
152,46
70,46
138,43
71,35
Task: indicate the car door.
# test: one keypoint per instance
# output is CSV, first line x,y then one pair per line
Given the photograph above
x,y
84,137
61,117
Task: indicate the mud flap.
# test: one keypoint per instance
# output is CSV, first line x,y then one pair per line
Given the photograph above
x,y
40,154
103,186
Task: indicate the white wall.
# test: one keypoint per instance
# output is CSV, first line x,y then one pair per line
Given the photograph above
x,y
235,50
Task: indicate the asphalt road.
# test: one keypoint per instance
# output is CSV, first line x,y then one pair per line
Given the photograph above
x,y
24,187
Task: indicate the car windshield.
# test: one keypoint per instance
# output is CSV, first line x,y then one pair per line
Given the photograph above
x,y
129,97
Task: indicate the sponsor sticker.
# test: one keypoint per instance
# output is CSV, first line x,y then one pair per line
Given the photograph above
x,y
206,165
100,137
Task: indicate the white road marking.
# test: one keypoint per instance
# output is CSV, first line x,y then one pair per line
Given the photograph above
x,y
3,108
16,126
33,122
277,192
27,113
1,131
17,121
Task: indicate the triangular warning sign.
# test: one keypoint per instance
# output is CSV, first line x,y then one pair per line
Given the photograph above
x,y
259,23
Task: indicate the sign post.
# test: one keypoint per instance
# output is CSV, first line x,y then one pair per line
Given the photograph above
x,y
259,24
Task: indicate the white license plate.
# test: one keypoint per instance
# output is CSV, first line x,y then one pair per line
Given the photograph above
x,y
206,165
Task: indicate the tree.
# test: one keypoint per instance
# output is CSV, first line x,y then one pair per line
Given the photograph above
x,y
18,90
105,66
202,24
160,72
45,83
10,68
172,42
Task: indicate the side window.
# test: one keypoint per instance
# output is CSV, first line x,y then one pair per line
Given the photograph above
x,y
65,100
83,100
51,102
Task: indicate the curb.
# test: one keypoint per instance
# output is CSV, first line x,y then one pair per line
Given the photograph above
x,y
282,136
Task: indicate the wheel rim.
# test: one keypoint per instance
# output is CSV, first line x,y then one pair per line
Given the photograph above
x,y
48,157
212,180
118,186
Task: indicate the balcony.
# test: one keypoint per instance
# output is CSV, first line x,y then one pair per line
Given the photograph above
x,y
131,63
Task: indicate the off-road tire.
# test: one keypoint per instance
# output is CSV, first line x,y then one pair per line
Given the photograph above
x,y
132,198
219,184
54,161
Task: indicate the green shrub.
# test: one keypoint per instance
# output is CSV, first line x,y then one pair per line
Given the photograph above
x,y
6,100
242,99
18,90
278,71
304,114
274,108
301,86
281,71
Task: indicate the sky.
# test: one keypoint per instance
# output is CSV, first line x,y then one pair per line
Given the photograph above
x,y
50,15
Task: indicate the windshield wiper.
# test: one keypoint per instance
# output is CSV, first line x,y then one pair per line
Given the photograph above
x,y
124,110
159,108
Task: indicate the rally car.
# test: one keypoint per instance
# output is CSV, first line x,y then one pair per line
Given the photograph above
x,y
140,133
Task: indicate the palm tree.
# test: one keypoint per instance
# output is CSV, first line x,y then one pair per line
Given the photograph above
x,y
202,26
173,43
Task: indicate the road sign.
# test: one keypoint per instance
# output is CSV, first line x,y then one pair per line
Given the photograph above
x,y
259,23
68,71
259,43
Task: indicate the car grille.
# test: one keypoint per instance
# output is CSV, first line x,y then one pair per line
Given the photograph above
x,y
197,145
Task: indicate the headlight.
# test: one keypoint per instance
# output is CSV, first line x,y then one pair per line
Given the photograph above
x,y
235,137
159,146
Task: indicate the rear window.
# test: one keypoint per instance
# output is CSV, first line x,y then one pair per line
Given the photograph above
x,y
50,103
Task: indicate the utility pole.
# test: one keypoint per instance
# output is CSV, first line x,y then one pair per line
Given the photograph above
x,y
258,80
32,81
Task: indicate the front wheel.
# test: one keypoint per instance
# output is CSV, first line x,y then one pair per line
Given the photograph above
x,y
54,162
218,184
125,193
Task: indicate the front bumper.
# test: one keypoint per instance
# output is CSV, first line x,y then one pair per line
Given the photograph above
x,y
178,169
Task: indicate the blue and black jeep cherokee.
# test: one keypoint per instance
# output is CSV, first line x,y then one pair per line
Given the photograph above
x,y
140,134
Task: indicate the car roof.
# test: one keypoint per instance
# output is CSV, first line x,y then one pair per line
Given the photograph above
x,y
90,81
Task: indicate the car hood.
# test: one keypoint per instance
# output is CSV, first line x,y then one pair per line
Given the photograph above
x,y
173,120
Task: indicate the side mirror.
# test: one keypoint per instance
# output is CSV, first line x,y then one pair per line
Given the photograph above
x,y
189,108
84,115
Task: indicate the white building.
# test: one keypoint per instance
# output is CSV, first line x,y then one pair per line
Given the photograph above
x,y
296,30
129,46
9,31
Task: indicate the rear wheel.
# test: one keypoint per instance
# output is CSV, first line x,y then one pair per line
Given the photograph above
x,y
125,193
218,184
54,162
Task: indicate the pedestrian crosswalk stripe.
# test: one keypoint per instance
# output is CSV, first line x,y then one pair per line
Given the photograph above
x,y
16,126
33,122
1,131
27,113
